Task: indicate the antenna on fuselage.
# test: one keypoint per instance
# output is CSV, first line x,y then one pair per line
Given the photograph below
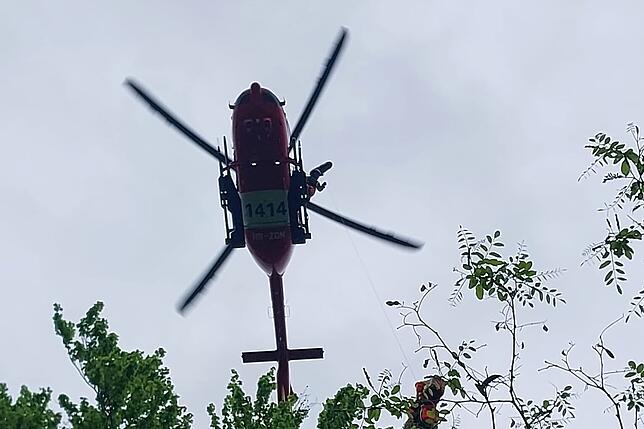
x,y
226,148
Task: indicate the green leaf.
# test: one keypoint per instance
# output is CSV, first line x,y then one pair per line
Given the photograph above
x,y
371,414
377,414
632,156
479,291
625,167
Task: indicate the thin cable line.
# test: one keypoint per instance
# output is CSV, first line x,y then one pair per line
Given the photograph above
x,y
377,297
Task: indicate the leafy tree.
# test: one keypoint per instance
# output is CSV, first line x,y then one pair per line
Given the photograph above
x,y
622,400
240,411
132,390
516,286
617,246
344,408
347,409
30,410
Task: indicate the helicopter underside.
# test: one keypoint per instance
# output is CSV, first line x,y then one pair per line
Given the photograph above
x,y
271,248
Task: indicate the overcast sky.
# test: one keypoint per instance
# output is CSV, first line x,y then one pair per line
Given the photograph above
x,y
438,114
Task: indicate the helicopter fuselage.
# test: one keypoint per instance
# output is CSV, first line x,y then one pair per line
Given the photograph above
x,y
261,161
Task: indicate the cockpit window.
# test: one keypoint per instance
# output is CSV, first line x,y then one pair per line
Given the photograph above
x,y
243,98
267,128
270,97
249,126
262,126
267,96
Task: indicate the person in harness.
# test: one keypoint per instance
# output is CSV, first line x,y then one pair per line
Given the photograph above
x,y
301,189
424,413
312,181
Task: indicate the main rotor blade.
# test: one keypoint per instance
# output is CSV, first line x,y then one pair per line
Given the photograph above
x,y
206,278
174,121
310,104
362,228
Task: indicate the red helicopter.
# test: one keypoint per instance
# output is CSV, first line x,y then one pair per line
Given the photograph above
x,y
266,206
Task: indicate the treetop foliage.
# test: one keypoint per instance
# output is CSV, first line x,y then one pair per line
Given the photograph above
x,y
131,389
30,410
